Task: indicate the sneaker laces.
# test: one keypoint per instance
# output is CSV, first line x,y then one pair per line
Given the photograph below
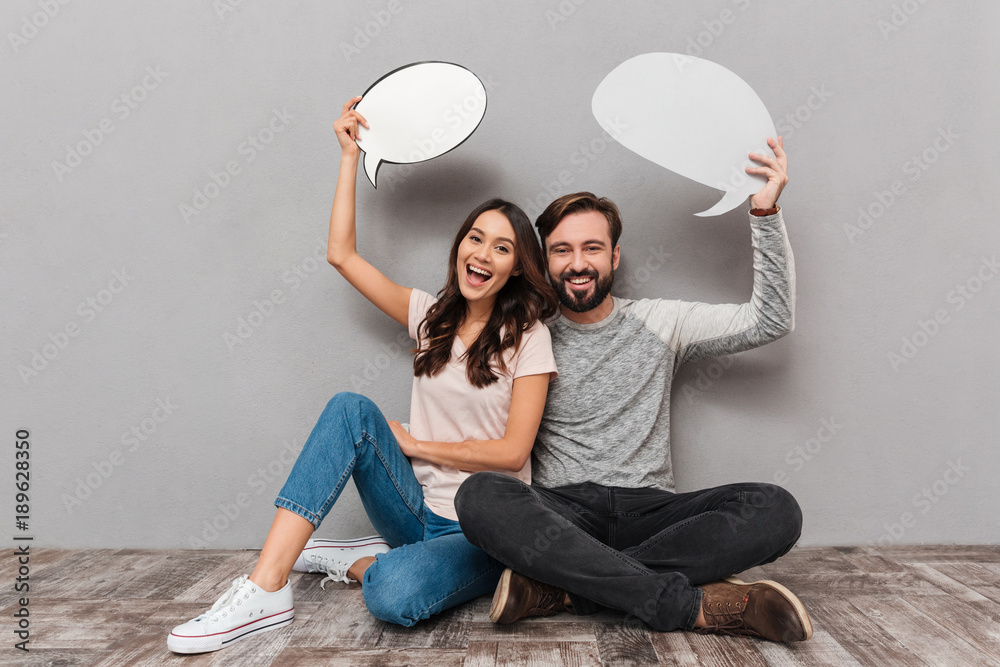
x,y
229,598
335,570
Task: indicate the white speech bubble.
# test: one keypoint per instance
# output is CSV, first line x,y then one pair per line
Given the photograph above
x,y
691,116
418,112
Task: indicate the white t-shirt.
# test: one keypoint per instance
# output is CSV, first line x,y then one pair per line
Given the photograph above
x,y
447,408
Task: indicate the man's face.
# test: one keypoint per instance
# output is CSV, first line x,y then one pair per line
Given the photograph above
x,y
581,260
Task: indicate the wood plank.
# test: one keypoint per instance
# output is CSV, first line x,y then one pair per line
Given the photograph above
x,y
674,649
546,654
720,650
868,559
943,553
914,629
869,605
808,561
207,584
146,577
52,656
867,642
340,621
481,654
825,584
85,624
977,623
357,657
449,629
625,644
532,629
820,651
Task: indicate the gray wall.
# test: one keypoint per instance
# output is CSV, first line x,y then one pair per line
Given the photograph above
x,y
886,107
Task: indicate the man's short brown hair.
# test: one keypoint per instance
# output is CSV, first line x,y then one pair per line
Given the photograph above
x,y
576,203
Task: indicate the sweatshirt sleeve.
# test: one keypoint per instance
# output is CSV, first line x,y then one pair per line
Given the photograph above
x,y
700,330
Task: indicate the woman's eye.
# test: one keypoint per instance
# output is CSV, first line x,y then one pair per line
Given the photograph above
x,y
504,249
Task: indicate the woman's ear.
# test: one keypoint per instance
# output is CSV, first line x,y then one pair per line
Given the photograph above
x,y
516,271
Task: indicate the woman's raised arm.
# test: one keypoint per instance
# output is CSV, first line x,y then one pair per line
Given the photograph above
x,y
342,248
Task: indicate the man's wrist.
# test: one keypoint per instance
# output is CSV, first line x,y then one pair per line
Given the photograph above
x,y
763,212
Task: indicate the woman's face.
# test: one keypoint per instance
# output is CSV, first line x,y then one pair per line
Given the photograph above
x,y
486,257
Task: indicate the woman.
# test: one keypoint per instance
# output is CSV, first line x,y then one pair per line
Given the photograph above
x,y
481,374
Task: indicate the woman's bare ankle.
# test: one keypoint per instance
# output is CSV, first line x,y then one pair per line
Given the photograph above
x,y
268,582
357,571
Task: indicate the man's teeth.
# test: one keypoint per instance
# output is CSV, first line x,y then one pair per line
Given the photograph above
x,y
482,272
580,281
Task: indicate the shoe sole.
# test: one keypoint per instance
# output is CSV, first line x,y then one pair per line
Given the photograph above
x,y
220,640
500,596
800,609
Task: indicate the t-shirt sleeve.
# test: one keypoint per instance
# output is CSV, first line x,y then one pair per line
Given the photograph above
x,y
420,303
535,356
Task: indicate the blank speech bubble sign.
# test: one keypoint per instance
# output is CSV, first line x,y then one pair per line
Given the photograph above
x,y
418,112
691,116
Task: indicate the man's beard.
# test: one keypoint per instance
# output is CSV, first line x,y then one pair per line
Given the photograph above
x,y
581,303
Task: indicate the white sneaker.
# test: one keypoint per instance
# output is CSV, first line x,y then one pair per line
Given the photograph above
x,y
335,557
243,610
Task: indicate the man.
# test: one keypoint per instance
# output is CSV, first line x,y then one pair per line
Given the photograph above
x,y
601,525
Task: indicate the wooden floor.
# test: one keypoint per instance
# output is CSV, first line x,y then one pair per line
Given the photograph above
x,y
935,605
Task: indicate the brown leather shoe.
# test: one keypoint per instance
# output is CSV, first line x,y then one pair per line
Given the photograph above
x,y
519,597
763,609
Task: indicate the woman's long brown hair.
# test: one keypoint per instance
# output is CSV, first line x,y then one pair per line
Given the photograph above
x,y
523,300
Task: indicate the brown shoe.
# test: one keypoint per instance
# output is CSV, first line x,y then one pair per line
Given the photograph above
x,y
519,597
760,609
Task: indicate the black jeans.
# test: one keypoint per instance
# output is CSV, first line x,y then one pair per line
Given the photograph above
x,y
642,551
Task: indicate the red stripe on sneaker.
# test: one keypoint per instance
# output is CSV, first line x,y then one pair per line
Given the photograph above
x,y
262,618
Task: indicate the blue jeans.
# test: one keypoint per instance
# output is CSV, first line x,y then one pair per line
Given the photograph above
x,y
431,566
642,551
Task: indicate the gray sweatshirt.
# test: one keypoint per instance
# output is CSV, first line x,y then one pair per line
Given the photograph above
x,y
607,417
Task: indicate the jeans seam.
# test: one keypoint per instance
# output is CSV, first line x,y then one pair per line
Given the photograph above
x,y
339,486
659,537
295,508
395,482
458,590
